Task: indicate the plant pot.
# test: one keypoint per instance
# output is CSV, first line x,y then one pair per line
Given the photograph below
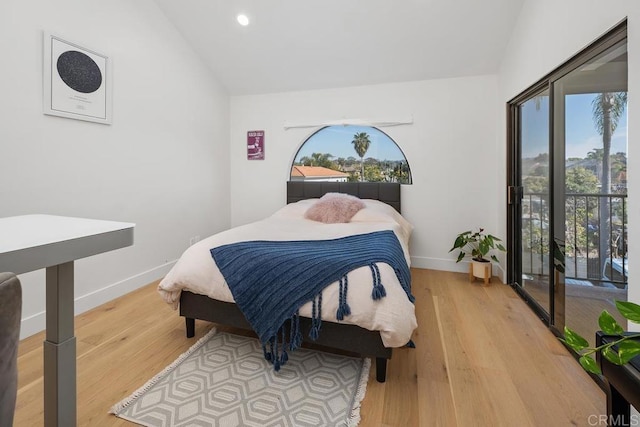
x,y
481,270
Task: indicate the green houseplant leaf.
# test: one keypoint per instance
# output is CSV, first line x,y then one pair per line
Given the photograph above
x,y
612,356
629,310
558,255
628,350
589,365
460,242
627,345
574,340
494,239
608,324
484,246
477,245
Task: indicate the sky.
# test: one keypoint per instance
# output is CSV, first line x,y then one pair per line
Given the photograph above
x,y
336,140
580,132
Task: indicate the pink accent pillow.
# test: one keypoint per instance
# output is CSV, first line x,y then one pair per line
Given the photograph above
x,y
334,207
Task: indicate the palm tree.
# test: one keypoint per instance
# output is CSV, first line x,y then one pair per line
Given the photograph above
x,y
318,159
607,108
322,159
361,144
306,161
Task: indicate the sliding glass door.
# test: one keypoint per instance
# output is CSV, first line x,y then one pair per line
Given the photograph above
x,y
533,193
590,143
567,188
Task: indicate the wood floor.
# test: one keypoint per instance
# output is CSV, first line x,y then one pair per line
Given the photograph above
x,y
481,359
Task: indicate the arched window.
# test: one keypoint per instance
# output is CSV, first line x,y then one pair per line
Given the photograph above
x,y
350,153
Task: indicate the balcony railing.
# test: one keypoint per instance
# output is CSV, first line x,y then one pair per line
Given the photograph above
x,y
582,237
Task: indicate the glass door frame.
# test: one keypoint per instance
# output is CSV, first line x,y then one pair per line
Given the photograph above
x,y
555,318
515,194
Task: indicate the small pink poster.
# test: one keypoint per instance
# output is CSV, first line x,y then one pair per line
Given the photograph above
x,y
255,145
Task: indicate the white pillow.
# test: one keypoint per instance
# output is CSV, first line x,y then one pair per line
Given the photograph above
x,y
294,210
377,211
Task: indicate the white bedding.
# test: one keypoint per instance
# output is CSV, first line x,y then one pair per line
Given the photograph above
x,y
393,315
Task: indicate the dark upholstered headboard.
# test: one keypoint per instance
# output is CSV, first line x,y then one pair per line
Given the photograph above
x,y
386,192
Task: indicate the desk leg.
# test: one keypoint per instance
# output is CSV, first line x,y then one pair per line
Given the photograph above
x,y
60,349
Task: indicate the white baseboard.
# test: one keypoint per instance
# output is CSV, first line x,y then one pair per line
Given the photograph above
x,y
35,323
444,264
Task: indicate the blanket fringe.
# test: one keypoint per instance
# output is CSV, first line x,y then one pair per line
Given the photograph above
x,y
405,286
378,291
343,306
295,340
278,355
361,389
316,317
120,406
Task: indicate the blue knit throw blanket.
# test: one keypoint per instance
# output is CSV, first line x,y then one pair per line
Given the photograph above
x,y
271,280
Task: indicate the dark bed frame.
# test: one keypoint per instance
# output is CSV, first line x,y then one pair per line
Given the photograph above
x,y
339,336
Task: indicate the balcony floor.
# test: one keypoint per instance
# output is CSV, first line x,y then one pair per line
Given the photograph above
x,y
584,304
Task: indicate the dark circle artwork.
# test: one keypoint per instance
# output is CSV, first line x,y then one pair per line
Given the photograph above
x,y
79,71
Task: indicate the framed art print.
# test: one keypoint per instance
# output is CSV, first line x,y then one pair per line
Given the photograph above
x,y
255,145
77,81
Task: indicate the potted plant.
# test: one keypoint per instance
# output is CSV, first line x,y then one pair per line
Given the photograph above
x,y
478,245
620,351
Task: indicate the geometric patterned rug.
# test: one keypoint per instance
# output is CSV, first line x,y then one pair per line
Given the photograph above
x,y
224,380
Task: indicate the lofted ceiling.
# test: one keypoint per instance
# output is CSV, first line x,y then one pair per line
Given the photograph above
x,y
305,44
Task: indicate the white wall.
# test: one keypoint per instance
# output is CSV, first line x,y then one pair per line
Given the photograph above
x,y
546,34
162,164
450,147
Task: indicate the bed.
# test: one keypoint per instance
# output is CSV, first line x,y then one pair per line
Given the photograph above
x,y
370,332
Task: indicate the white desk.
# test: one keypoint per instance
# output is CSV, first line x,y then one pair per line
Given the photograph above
x,y
33,242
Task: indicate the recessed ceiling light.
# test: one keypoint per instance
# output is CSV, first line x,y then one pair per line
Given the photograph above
x,y
243,20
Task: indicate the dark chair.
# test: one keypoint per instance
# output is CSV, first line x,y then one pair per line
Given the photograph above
x,y
10,313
